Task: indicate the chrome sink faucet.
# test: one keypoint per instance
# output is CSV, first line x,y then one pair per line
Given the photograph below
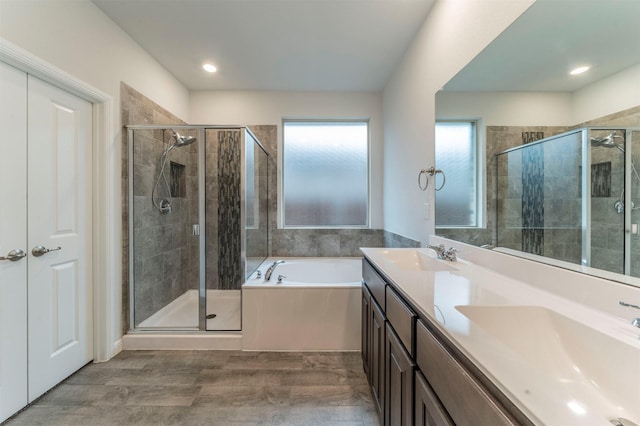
x,y
635,321
267,275
445,254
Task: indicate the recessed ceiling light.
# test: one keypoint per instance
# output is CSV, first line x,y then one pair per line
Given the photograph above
x,y
209,68
579,70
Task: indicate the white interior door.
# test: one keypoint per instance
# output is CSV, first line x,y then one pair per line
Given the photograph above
x,y
13,237
59,216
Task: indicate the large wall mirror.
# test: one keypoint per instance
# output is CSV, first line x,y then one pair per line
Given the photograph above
x,y
560,153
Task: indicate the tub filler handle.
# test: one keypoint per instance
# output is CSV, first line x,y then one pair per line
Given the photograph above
x,y
280,277
267,275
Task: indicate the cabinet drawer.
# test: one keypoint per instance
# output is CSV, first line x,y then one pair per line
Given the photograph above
x,y
463,397
402,319
374,282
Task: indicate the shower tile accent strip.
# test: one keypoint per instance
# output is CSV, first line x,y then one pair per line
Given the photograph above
x,y
533,194
138,109
229,232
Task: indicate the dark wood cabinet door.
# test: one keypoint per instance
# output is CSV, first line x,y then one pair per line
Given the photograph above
x,y
428,410
377,356
365,346
399,369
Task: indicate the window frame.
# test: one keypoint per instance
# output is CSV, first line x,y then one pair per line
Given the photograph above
x,y
281,172
480,173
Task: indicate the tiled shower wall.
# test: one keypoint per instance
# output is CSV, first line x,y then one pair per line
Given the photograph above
x,y
165,250
607,238
607,231
539,199
136,109
222,209
157,252
497,139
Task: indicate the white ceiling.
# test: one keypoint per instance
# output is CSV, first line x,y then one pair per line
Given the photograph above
x,y
553,36
303,45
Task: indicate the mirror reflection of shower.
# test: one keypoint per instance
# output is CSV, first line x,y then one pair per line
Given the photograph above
x,y
163,204
609,141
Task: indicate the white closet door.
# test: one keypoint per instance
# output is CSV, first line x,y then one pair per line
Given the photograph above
x,y
13,236
59,215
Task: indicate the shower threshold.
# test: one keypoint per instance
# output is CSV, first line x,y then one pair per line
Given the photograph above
x,y
183,311
186,340
173,327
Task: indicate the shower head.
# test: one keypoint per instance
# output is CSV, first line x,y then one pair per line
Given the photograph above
x,y
608,141
182,140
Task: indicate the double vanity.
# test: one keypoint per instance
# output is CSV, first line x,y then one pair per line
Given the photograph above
x,y
456,342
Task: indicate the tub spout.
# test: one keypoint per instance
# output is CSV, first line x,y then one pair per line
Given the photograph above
x,y
267,275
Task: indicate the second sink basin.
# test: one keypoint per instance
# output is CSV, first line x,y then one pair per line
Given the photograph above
x,y
568,351
416,260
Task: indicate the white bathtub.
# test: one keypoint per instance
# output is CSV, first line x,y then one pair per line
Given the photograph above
x,y
316,307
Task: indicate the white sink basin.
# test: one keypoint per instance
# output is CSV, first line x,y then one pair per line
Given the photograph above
x,y
416,260
601,370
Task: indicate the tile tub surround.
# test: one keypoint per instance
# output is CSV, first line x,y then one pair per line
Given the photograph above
x,y
210,387
314,242
539,389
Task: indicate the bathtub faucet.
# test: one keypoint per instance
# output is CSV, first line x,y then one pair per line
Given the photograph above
x,y
267,275
635,321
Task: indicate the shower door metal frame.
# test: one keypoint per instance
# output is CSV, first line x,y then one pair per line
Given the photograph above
x,y
202,228
586,189
202,290
586,197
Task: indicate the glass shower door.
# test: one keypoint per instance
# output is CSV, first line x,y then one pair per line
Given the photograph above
x,y
607,195
632,248
236,211
223,251
164,245
540,198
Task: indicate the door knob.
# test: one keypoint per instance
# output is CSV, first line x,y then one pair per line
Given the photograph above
x,y
38,251
14,255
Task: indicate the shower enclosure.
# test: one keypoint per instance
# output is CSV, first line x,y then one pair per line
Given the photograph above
x,y
574,197
198,224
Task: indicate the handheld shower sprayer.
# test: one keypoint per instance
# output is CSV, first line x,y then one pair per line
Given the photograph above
x,y
164,204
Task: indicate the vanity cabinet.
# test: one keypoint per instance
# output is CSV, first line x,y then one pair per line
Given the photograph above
x,y
428,410
365,343
416,375
376,375
465,398
373,333
399,368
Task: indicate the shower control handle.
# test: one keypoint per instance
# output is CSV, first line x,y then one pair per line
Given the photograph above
x,y
38,251
14,255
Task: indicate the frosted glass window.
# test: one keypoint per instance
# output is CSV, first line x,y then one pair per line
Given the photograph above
x,y
457,202
325,174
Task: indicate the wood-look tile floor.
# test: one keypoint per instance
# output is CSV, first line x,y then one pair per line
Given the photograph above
x,y
210,388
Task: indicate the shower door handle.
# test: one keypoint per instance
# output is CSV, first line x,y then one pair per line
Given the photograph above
x,y
38,251
14,255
